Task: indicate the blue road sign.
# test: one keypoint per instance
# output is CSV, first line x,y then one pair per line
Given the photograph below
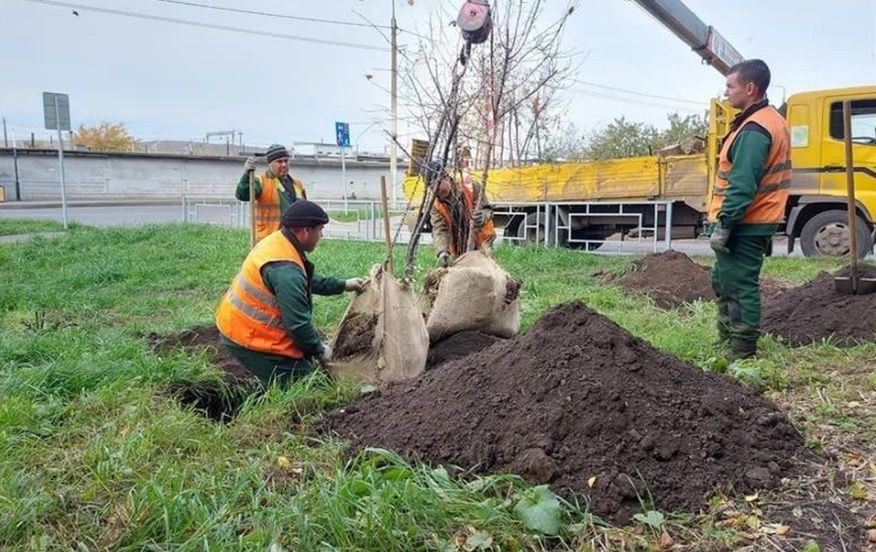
x,y
342,133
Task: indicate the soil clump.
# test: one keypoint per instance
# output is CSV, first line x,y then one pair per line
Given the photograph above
x,y
355,336
815,311
581,404
670,278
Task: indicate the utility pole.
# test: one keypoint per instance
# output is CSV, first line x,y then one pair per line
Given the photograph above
x,y
393,151
5,139
15,165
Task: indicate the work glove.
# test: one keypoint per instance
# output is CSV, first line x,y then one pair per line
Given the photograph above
x,y
249,165
326,353
444,259
719,239
481,217
354,284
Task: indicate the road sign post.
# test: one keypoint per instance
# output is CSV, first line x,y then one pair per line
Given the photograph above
x,y
342,138
56,111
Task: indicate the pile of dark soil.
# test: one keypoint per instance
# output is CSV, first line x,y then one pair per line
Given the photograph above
x,y
458,346
670,278
218,401
581,404
815,311
355,335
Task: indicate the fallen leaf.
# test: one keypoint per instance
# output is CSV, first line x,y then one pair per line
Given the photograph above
x,y
753,522
479,540
854,404
665,540
858,491
871,535
752,498
283,462
782,529
591,481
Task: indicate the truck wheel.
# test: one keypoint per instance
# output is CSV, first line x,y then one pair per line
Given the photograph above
x,y
827,233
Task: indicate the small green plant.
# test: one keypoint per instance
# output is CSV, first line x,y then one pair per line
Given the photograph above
x,y
652,519
539,509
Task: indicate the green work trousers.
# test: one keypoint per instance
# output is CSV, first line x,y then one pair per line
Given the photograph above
x,y
736,282
267,367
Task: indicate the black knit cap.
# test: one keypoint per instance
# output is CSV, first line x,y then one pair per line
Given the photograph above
x,y
276,151
304,214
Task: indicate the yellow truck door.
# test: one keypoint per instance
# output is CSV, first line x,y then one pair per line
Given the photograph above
x,y
832,179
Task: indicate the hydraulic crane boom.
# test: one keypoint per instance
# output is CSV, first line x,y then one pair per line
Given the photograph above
x,y
702,38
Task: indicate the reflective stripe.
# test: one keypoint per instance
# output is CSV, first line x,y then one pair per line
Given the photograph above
x,y
778,168
722,175
250,289
768,188
253,313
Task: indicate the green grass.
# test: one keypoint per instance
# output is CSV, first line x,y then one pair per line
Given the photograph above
x,y
95,457
352,214
11,227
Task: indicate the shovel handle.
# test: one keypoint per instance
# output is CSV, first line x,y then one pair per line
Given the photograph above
x,y
850,191
252,218
385,212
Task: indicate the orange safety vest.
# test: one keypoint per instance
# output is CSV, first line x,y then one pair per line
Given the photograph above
x,y
487,231
267,206
771,197
248,313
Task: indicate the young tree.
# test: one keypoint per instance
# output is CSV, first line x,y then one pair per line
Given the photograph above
x,y
506,92
104,137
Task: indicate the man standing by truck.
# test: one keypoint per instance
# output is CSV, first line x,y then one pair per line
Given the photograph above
x,y
748,203
274,190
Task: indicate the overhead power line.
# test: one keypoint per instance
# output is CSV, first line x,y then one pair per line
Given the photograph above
x,y
635,101
636,93
250,32
268,14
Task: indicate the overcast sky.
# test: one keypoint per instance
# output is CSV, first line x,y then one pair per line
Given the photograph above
x,y
170,81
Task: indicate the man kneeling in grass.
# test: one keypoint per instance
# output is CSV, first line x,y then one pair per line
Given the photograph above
x,y
266,315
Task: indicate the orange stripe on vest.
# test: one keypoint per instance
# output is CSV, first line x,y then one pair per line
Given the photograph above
x,y
267,206
486,233
768,206
248,314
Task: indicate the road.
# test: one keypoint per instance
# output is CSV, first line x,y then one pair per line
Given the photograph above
x,y
139,214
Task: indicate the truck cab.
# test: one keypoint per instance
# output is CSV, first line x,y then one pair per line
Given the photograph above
x,y
817,210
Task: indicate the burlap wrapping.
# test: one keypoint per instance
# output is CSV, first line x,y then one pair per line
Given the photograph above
x,y
382,337
472,294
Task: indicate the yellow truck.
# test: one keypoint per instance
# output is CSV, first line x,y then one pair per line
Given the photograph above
x,y
581,204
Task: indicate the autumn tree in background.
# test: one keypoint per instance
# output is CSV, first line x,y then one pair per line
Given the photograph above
x,y
623,138
104,137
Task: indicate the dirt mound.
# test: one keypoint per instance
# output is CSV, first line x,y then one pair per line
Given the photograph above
x,y
815,311
670,278
219,400
581,404
458,346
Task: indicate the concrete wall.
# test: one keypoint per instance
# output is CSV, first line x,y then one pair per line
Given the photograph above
x,y
92,175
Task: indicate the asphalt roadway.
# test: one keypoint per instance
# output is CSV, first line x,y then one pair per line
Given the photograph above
x,y
115,214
